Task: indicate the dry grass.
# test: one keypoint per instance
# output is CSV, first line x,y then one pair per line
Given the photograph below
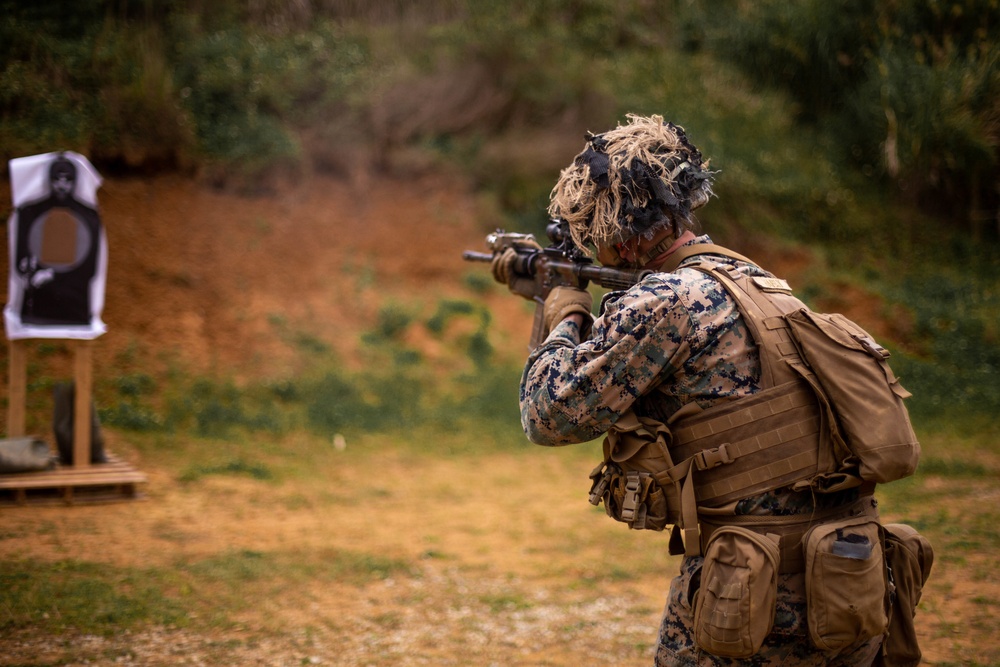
x,y
492,558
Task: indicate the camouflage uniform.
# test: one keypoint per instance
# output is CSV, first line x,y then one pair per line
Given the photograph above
x,y
672,339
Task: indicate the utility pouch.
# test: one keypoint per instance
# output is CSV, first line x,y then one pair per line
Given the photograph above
x,y
865,396
846,587
734,608
631,497
910,557
632,480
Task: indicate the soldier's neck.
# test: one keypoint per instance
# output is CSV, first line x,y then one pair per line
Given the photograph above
x,y
661,248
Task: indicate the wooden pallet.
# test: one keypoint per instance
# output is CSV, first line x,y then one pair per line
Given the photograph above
x,y
113,481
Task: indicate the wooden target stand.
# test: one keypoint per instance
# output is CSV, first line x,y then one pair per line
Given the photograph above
x,y
82,481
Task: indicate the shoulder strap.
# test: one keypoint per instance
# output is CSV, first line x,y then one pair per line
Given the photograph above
x,y
687,251
763,302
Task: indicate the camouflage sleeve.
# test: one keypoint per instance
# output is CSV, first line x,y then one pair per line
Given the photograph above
x,y
573,392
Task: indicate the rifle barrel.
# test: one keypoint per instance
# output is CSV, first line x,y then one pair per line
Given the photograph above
x,y
473,256
614,279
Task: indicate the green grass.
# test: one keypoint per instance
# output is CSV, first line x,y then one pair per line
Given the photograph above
x,y
86,597
397,391
233,467
505,602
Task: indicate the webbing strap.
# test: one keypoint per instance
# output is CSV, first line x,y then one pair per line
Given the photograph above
x,y
682,476
790,529
762,302
726,620
689,514
799,396
804,461
694,249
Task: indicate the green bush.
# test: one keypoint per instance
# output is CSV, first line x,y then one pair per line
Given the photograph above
x,y
234,83
956,321
215,409
906,91
131,416
807,109
75,78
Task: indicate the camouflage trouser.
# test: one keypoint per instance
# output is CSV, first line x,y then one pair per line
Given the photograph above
x,y
788,643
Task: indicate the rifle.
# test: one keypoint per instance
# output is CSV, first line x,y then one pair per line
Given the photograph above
x,y
560,264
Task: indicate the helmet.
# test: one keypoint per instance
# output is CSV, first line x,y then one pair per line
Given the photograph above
x,y
634,180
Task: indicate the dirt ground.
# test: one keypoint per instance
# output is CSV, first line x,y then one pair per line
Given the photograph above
x,y
210,282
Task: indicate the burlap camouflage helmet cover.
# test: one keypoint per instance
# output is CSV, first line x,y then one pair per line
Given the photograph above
x,y
631,181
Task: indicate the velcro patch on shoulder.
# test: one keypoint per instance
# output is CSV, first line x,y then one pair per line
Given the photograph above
x,y
772,284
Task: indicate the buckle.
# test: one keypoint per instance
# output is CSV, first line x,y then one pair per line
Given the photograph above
x,y
600,486
871,347
711,458
631,499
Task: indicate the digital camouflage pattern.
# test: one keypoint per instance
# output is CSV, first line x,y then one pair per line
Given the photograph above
x,y
677,334
672,339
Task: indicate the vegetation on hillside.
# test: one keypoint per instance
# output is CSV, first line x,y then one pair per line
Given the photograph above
x,y
905,93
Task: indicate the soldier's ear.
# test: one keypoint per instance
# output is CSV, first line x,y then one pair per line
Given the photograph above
x,y
629,249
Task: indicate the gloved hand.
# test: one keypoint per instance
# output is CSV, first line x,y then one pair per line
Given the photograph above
x,y
563,301
502,267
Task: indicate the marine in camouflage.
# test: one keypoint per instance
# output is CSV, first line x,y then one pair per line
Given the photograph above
x,y
672,339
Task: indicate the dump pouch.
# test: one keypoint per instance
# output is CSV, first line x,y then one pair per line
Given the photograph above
x,y
910,557
632,481
867,398
734,607
846,587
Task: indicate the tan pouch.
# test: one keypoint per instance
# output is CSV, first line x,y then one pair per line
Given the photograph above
x,y
734,608
862,391
910,557
632,481
845,583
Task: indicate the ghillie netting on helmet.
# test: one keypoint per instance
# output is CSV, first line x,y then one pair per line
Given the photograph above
x,y
632,180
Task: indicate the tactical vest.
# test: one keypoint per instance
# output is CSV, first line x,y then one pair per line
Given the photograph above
x,y
829,417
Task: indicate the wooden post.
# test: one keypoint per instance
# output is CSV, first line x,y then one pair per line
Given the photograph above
x,y
17,388
83,379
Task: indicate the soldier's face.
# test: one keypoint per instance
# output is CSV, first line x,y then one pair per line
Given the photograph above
x,y
609,255
619,254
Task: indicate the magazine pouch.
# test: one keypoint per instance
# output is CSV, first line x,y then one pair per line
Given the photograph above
x,y
734,608
846,587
